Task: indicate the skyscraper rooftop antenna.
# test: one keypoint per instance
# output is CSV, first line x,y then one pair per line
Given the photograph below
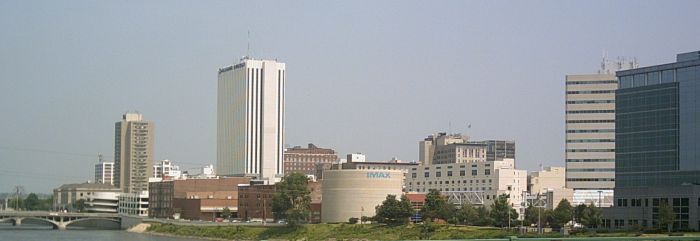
x,y
247,53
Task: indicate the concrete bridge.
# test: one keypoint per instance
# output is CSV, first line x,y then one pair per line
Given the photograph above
x,y
57,219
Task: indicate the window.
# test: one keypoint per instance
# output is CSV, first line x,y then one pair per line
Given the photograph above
x,y
426,174
413,175
473,172
487,172
438,174
668,76
449,173
640,80
653,78
462,173
626,82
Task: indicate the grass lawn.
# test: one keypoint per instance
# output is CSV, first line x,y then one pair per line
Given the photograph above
x,y
355,232
336,231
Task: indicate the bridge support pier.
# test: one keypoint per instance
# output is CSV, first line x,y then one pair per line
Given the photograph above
x,y
17,222
60,226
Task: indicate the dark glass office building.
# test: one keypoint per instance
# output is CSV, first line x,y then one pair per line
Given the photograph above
x,y
657,147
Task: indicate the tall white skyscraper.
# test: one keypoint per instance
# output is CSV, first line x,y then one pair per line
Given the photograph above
x,y
250,121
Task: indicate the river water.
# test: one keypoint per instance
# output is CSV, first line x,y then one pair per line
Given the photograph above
x,y
44,233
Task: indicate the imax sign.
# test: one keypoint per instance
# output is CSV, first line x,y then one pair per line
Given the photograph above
x,y
382,175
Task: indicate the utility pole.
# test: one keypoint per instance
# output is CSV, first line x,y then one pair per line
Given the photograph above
x,y
18,193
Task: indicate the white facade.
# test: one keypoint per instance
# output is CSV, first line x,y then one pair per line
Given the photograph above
x,y
487,179
208,172
550,183
250,121
166,170
102,202
104,173
135,204
356,157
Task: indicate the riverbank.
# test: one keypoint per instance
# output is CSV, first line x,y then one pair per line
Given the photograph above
x,y
319,232
331,232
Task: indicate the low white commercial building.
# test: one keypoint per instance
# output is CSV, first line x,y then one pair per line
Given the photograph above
x,y
133,204
66,196
485,180
102,202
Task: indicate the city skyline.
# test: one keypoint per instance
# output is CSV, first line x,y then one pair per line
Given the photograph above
x,y
355,81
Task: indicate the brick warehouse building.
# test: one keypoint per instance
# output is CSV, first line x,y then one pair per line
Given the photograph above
x,y
194,199
306,160
255,201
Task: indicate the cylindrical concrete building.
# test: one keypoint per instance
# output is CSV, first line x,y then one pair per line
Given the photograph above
x,y
356,193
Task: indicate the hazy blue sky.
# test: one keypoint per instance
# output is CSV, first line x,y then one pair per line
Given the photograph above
x,y
363,76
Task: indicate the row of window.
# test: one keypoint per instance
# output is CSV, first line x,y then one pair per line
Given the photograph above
x,y
651,78
591,82
591,92
590,111
590,160
590,150
449,173
590,101
591,170
451,182
590,140
450,167
590,179
592,131
590,121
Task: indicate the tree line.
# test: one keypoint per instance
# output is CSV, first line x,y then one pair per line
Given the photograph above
x,y
31,203
499,214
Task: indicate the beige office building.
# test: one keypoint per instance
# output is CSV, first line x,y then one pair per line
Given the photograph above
x,y
590,133
133,153
356,193
440,142
549,183
250,119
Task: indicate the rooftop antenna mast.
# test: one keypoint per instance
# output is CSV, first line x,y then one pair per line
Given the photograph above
x,y
247,53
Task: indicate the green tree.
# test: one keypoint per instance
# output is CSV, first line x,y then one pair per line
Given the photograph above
x,y
591,217
666,216
502,213
467,214
393,211
483,217
47,204
436,206
578,211
226,213
427,229
79,205
352,220
292,200
32,202
531,215
562,214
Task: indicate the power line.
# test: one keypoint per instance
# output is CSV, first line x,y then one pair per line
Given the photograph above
x,y
45,151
